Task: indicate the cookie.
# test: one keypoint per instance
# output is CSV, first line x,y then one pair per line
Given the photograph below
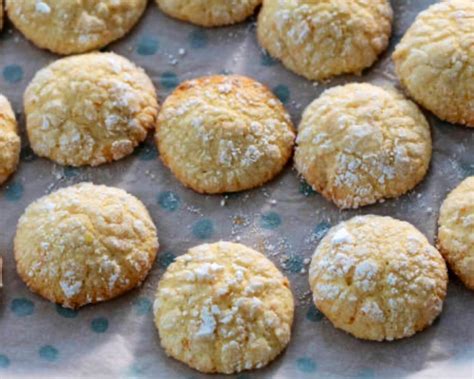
x,y
10,145
89,109
358,144
209,13
223,308
378,278
72,27
85,244
224,134
456,231
435,61
322,39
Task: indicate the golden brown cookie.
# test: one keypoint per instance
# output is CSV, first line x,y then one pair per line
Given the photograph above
x,y
435,60
209,12
89,109
378,278
321,39
71,26
456,231
358,144
10,145
224,308
85,244
224,134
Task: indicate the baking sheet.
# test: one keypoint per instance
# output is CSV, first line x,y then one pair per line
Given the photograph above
x,y
285,220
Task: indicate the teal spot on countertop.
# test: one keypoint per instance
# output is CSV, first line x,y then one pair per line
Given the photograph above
x,y
282,92
306,365
314,314
66,312
13,191
270,220
267,60
4,361
467,169
169,80
142,306
203,229
70,172
306,190
27,154
169,201
100,325
294,264
146,151
243,376
48,353
198,39
12,73
321,230
138,369
165,259
366,373
22,307
148,45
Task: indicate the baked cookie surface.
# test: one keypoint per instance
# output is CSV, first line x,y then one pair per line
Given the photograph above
x,y
85,244
435,61
10,144
456,231
89,109
358,144
321,39
71,26
209,12
223,308
378,278
224,134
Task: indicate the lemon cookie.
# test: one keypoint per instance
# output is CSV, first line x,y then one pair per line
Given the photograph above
x,y
224,134
321,39
224,308
71,26
378,278
85,244
456,231
10,145
209,12
89,109
435,61
358,144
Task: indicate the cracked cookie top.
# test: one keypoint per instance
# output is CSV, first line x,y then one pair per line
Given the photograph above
x,y
435,60
224,134
358,144
209,12
224,308
85,244
378,278
89,109
72,26
319,39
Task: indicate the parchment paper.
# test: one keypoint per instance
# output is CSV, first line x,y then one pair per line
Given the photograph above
x,y
284,220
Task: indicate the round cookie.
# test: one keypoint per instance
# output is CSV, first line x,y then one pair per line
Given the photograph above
x,y
71,26
358,144
85,244
224,134
322,39
209,12
89,109
378,278
224,308
10,145
456,231
435,61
